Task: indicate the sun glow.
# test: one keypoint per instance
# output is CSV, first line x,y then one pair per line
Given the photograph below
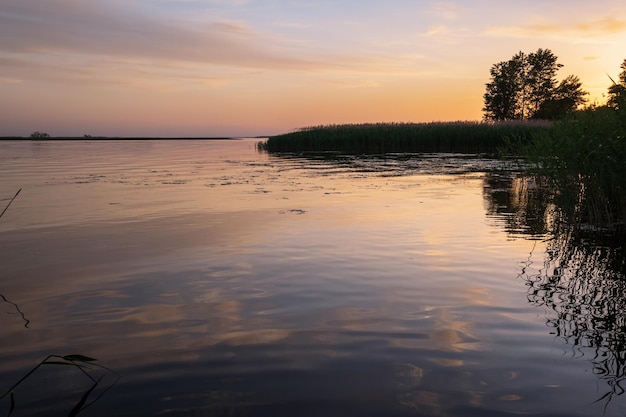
x,y
241,68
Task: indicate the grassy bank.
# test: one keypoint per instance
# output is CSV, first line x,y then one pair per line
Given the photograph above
x,y
379,138
584,158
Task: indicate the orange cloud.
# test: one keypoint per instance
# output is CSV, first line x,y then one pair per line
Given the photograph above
x,y
9,80
598,28
436,30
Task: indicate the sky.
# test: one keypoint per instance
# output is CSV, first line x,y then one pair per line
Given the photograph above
x,y
198,68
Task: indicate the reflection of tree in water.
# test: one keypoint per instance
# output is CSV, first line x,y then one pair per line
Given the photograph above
x,y
582,284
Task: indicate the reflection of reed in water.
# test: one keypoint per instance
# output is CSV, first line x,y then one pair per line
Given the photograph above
x,y
86,365
81,364
17,308
521,204
582,284
582,288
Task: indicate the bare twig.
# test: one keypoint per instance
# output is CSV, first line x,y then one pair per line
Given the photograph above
x,y
5,209
26,321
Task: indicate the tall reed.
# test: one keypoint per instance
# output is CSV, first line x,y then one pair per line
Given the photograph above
x,y
379,138
584,157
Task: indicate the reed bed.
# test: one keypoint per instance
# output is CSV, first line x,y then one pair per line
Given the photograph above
x,y
584,157
380,138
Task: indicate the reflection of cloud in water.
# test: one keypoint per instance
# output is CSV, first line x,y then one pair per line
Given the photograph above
x,y
448,362
379,293
251,337
479,296
451,334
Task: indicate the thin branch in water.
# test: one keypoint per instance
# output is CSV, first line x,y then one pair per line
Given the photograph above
x,y
26,321
5,209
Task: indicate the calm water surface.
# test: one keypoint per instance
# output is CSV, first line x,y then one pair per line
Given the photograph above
x,y
219,281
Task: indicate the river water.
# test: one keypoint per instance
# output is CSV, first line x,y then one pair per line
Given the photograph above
x,y
209,279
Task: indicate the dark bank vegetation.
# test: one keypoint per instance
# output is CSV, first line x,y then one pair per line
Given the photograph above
x,y
582,156
583,159
379,138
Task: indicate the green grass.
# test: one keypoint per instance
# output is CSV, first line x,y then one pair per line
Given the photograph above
x,y
380,138
584,159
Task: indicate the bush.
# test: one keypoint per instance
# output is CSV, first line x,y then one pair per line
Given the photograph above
x,y
584,158
39,135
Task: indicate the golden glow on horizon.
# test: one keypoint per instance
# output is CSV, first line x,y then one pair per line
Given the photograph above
x,y
248,68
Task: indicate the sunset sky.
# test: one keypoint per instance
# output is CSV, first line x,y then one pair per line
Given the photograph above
x,y
259,67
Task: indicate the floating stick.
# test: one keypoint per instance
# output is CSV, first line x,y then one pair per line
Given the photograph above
x,y
5,209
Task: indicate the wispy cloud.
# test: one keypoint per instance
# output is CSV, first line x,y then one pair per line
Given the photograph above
x,y
592,29
445,10
355,84
32,31
436,30
54,27
9,80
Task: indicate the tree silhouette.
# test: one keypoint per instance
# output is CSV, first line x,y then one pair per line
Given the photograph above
x,y
39,135
617,92
525,87
567,97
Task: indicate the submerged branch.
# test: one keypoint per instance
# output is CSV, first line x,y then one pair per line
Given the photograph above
x,y
6,208
20,312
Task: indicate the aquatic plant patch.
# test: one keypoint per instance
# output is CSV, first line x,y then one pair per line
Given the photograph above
x,y
379,138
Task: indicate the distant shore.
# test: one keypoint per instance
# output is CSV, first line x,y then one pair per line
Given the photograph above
x,y
78,138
